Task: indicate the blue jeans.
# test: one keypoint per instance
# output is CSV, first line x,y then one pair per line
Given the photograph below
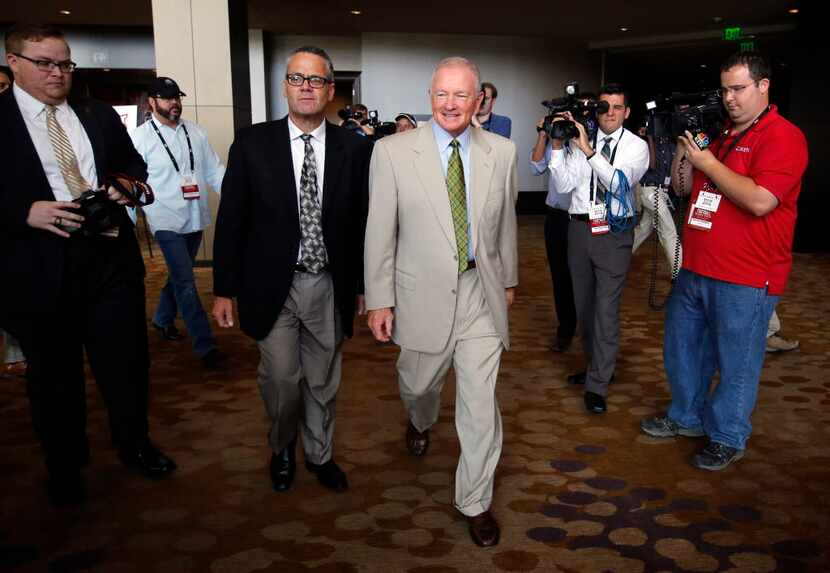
x,y
712,325
179,293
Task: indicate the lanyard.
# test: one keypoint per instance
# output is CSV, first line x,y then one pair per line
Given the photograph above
x,y
740,136
613,155
170,153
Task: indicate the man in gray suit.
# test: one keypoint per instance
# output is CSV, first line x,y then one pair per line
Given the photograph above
x,y
441,269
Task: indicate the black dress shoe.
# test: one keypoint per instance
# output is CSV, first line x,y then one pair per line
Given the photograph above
x,y
148,460
484,530
214,359
416,442
578,378
283,467
169,332
595,403
329,475
66,488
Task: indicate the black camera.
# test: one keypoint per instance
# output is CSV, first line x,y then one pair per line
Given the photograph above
x,y
583,111
353,120
99,213
699,113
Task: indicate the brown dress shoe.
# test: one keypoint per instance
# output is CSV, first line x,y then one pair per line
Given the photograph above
x,y
416,442
483,529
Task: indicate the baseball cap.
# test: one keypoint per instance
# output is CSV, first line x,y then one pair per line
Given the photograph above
x,y
165,88
409,117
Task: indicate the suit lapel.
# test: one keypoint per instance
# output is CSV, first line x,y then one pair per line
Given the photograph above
x,y
93,132
286,185
431,175
333,167
481,173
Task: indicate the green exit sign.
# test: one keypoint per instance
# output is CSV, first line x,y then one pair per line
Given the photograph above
x,y
730,34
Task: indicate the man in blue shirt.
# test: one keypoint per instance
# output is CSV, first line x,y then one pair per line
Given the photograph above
x,y
486,119
181,167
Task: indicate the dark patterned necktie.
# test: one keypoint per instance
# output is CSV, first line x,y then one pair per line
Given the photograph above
x,y
606,153
458,204
311,227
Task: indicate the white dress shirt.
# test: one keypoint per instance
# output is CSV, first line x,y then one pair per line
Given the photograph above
x,y
34,115
444,139
553,199
318,144
171,211
571,172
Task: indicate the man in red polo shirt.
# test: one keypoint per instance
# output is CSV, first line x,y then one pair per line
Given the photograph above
x,y
736,260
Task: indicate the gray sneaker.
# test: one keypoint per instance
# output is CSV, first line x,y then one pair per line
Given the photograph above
x,y
716,456
663,427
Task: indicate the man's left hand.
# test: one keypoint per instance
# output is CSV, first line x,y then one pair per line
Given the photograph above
x,y
509,296
699,158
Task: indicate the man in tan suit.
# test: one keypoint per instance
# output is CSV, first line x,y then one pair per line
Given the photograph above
x,y
441,268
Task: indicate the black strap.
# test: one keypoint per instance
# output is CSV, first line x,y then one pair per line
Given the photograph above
x,y
613,155
170,153
740,136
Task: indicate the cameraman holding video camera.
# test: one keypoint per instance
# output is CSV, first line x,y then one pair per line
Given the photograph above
x,y
736,259
599,172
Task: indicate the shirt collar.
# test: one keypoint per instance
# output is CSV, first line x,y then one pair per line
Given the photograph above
x,y
443,139
318,133
615,137
32,107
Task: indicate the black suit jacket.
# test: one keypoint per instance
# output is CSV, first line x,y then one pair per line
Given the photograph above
x,y
31,260
257,237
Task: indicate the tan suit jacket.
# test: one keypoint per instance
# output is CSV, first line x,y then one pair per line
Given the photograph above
x,y
410,255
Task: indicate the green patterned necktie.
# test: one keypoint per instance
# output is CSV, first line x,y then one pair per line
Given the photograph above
x,y
458,203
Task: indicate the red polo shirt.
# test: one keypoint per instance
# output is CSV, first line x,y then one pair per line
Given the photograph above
x,y
741,248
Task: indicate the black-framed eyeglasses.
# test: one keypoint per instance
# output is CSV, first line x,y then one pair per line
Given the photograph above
x,y
298,80
66,67
735,90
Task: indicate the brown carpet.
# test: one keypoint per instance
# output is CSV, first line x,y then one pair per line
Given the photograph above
x,y
574,492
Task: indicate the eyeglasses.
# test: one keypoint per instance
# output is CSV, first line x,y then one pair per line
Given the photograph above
x,y
298,80
734,90
66,67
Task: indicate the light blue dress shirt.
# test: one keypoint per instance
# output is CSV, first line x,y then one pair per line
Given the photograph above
x,y
171,211
443,139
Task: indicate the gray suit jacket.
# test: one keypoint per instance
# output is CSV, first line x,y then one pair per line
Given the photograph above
x,y
410,254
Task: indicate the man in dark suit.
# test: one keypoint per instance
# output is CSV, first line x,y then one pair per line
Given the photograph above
x,y
65,291
289,248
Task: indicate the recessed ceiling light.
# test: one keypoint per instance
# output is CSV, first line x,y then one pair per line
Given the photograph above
x,y
703,65
65,12
355,12
717,19
793,10
623,29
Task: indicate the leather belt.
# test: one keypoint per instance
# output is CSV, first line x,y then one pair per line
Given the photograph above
x,y
580,216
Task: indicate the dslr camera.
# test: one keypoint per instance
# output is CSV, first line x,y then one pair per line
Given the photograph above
x,y
699,113
583,111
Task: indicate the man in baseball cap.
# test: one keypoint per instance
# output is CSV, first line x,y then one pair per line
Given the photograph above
x,y
405,122
165,88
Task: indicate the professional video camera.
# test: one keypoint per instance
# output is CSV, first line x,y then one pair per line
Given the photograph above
x,y
354,119
583,111
699,113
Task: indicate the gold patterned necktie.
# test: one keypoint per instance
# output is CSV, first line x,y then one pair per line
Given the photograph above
x,y
458,204
65,155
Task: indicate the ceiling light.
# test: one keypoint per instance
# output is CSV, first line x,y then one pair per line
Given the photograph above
x,y
623,29
717,19
65,12
355,12
703,65
793,10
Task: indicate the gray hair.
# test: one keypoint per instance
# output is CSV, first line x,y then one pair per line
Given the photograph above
x,y
458,61
317,52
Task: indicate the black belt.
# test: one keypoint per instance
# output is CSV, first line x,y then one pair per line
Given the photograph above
x,y
471,264
301,268
580,216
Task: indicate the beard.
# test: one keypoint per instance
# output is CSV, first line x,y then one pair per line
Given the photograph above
x,y
173,113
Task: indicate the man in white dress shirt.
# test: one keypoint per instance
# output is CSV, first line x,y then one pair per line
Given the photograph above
x,y
600,174
181,166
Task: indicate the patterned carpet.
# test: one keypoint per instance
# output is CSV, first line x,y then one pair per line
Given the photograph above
x,y
574,492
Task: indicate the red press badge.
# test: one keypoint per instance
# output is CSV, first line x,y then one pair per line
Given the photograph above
x,y
704,209
598,220
190,190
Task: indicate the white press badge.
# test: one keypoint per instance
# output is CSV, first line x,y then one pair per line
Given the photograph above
x,y
190,189
704,209
598,220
